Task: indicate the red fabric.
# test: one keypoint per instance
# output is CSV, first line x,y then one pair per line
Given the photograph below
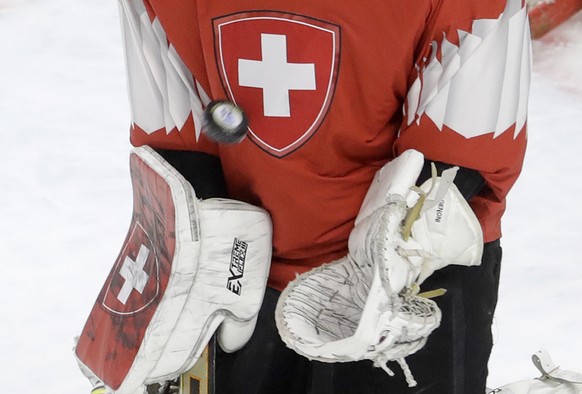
x,y
314,189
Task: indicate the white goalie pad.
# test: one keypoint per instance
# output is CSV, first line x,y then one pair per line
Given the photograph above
x,y
537,386
553,380
187,267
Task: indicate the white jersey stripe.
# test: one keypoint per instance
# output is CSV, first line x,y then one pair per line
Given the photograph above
x,y
481,85
163,92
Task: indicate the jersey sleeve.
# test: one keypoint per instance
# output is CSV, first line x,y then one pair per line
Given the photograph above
x,y
167,82
467,99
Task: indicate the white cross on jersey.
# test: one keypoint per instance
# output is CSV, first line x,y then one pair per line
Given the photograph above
x,y
275,76
134,275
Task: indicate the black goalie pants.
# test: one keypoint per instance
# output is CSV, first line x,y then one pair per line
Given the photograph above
x,y
454,360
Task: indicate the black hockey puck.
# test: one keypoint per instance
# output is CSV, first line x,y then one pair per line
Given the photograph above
x,y
225,122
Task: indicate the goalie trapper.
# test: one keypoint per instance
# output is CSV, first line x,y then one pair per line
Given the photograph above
x,y
340,312
366,305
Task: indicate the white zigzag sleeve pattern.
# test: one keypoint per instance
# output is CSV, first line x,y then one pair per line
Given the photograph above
x,y
482,85
162,90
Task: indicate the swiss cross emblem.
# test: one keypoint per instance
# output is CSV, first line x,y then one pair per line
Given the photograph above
x,y
281,69
134,282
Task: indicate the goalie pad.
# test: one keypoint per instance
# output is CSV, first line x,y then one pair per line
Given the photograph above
x,y
186,267
554,380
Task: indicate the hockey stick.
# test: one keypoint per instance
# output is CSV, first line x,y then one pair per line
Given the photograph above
x,y
200,378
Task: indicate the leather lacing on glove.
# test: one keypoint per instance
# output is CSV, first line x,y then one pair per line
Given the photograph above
x,y
332,302
418,306
408,299
350,310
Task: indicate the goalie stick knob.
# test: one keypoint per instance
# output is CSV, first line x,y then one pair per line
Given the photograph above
x,y
225,122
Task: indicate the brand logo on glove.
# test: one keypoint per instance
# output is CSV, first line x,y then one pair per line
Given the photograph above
x,y
237,266
440,211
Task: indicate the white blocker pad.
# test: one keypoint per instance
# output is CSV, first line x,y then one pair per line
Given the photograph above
x,y
538,386
186,267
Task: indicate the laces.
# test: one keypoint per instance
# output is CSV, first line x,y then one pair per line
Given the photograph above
x,y
419,312
381,362
407,373
384,242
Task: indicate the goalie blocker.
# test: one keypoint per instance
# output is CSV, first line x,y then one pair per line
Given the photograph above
x,y
187,268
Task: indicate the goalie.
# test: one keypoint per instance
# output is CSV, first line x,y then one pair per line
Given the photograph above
x,y
382,141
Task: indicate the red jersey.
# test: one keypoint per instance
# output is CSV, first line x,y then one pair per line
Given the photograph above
x,y
333,91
